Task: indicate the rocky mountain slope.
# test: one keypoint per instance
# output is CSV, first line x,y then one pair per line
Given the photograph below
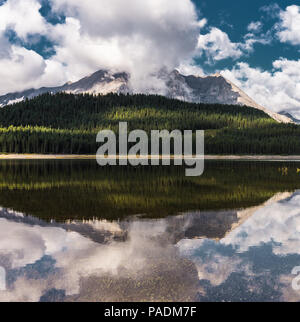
x,y
101,82
209,89
214,89
287,114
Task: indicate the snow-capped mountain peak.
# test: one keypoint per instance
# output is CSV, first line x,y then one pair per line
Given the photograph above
x,y
197,89
100,82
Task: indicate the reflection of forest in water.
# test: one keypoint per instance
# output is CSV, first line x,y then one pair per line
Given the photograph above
x,y
75,189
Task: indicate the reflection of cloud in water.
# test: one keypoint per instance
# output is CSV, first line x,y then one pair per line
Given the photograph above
x,y
253,261
141,268
278,223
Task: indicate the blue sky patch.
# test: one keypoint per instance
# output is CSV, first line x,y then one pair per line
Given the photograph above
x,y
233,18
50,16
38,43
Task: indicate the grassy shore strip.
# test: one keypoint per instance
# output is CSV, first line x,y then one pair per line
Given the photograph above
x,y
93,157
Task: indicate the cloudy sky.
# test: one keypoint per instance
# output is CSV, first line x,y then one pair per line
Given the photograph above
x,y
255,44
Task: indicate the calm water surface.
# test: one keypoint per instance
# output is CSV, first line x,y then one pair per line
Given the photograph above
x,y
71,231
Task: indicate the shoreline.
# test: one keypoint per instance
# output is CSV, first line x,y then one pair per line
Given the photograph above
x,y
93,157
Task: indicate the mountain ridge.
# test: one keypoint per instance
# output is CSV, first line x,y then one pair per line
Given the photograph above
x,y
196,89
287,114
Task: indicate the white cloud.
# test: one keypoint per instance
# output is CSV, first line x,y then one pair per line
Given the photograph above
x,y
217,45
289,26
137,36
189,68
23,17
278,90
21,68
254,26
202,23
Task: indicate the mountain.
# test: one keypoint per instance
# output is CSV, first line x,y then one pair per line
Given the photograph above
x,y
287,114
210,89
101,82
213,89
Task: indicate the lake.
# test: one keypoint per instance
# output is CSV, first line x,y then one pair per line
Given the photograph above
x,y
73,231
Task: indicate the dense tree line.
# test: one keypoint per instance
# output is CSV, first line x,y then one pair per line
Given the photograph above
x,y
46,140
66,123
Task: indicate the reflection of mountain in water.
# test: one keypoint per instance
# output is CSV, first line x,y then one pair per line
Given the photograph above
x,y
194,225
204,255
